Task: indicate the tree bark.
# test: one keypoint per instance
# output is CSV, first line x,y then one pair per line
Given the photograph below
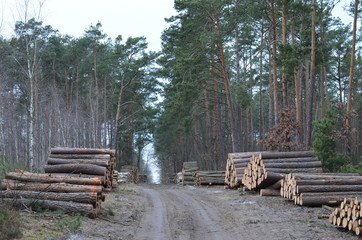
x,y
61,150
98,162
81,197
50,187
76,168
311,81
351,69
226,81
275,77
49,178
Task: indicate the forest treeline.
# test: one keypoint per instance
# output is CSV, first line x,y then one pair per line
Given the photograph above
x,y
233,76
259,75
58,90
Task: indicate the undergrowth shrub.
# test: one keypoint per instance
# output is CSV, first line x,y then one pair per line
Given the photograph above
x,y
69,224
9,223
325,144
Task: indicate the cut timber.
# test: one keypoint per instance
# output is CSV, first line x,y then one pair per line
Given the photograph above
x,y
349,181
51,187
49,178
188,172
317,201
293,170
63,150
269,164
82,197
290,160
81,156
94,161
68,207
328,188
76,168
269,192
301,154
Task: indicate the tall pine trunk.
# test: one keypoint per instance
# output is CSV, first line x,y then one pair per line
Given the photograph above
x,y
275,77
311,82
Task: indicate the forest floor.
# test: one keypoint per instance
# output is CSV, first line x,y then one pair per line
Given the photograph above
x,y
165,212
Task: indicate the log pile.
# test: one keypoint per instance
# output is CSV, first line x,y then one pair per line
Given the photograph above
x,y
235,165
188,172
178,178
209,178
315,190
267,168
128,174
83,161
53,192
348,215
142,178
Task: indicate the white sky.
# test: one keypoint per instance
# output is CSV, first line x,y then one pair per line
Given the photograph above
x,y
119,17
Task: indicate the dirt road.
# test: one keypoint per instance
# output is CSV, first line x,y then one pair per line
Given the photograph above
x,y
164,212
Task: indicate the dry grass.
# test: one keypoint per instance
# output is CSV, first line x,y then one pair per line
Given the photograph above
x,y
9,223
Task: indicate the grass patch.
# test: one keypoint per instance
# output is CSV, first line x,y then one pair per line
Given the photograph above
x,y
9,223
69,224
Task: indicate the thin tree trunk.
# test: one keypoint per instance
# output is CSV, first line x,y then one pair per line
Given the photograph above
x,y
351,69
275,77
284,41
261,119
311,82
226,81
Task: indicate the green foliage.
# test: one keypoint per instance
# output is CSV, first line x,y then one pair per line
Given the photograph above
x,y
9,224
349,168
37,205
241,95
325,144
69,224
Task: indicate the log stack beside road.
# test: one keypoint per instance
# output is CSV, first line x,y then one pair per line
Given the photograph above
x,y
348,215
315,190
188,172
128,174
267,168
53,192
88,162
209,178
235,166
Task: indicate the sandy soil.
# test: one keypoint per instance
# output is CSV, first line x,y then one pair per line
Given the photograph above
x,y
165,212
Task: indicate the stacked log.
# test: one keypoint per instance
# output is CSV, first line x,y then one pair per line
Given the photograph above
x,y
209,178
267,168
170,178
235,165
53,192
315,190
348,215
178,178
188,172
142,178
128,174
83,161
